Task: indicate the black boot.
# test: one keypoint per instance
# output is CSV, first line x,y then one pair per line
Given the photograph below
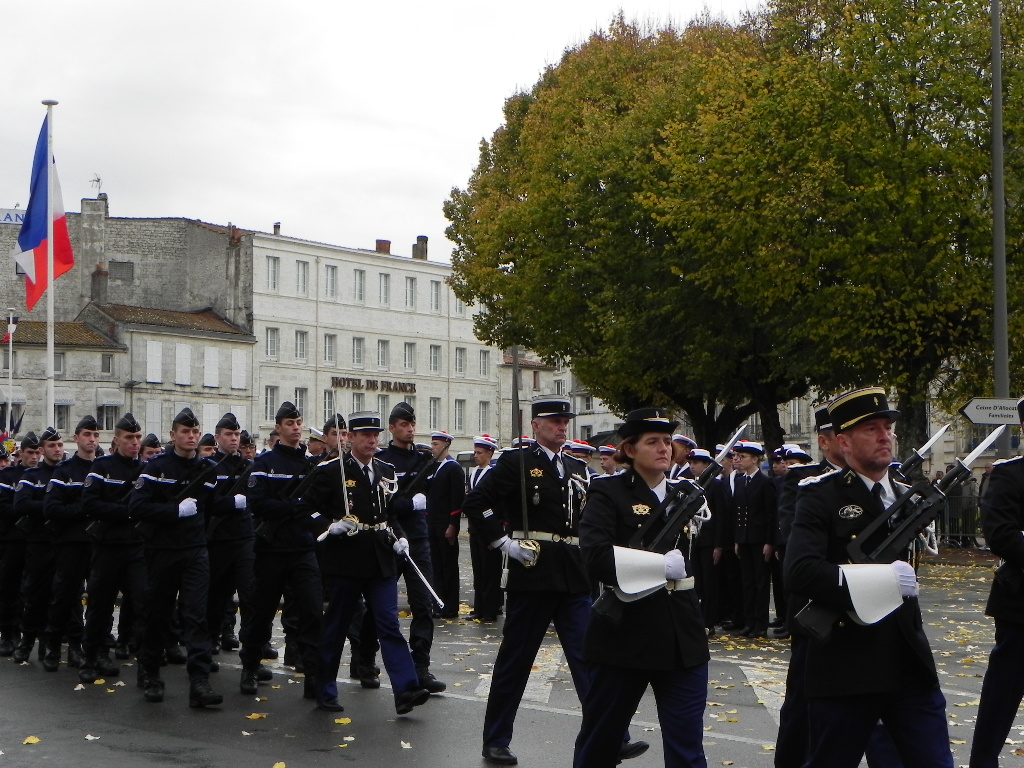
x,y
369,676
309,687
51,659
269,652
121,650
106,667
6,643
24,649
87,672
229,640
154,690
264,674
75,655
248,684
200,694
175,655
428,681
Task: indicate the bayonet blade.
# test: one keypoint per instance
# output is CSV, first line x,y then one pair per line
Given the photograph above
x,y
934,439
983,446
728,446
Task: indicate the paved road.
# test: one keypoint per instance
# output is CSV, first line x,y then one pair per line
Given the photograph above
x,y
740,721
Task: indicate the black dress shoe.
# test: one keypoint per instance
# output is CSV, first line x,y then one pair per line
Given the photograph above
x,y
331,705
428,681
499,756
269,652
631,749
404,702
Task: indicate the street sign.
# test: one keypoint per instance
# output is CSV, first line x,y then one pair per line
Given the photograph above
x,y
991,410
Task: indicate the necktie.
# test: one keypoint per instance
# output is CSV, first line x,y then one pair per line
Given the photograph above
x,y
876,491
559,466
366,471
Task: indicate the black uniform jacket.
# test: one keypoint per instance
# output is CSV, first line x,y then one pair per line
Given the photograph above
x,y
753,506
787,495
553,506
446,490
661,631
62,506
891,655
407,464
276,476
8,483
716,497
28,502
225,522
1002,518
364,554
154,502
105,498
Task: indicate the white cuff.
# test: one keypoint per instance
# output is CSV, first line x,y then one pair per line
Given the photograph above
x,y
874,590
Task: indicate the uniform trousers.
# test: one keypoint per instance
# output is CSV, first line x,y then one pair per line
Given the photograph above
x,y
381,596
1001,694
681,696
421,628
487,594
70,571
778,588
275,572
841,728
757,579
182,573
527,618
231,570
444,561
731,586
705,578
36,587
114,567
12,565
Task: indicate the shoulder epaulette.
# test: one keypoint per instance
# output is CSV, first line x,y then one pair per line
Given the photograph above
x,y
997,462
385,463
818,478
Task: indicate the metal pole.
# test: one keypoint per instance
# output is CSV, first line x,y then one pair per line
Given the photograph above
x,y
1000,335
49,417
10,370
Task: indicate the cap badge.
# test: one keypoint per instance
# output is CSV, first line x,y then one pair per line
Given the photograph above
x,y
850,511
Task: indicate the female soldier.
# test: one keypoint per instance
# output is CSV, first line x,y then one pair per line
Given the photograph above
x,y
660,639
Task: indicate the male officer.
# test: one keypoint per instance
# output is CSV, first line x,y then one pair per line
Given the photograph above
x,y
410,506
752,511
285,557
487,595
13,541
359,549
151,446
65,514
171,500
117,560
1002,518
246,445
681,447
546,578
37,581
607,460
445,491
876,664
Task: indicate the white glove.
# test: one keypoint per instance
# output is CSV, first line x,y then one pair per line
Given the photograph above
x,y
341,527
187,508
240,501
401,546
514,551
419,502
675,566
906,578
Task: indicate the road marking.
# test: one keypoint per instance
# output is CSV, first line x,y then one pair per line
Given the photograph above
x,y
547,667
769,687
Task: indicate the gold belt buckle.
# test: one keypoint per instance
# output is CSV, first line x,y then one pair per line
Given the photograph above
x,y
533,546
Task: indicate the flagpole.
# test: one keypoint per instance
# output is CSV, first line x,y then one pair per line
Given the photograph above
x,y
50,416
10,370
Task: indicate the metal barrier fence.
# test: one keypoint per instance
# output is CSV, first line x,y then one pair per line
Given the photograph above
x,y
959,523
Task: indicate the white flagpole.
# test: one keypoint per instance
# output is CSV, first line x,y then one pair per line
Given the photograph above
x,y
10,370
49,415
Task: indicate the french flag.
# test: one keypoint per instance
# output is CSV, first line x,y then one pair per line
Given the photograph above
x,y
30,251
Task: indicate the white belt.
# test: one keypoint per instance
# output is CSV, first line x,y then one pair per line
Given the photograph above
x,y
545,536
673,585
365,527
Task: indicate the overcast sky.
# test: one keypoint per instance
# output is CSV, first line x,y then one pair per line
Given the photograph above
x,y
344,122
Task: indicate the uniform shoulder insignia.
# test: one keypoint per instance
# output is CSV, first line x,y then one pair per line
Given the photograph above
x,y
819,478
385,463
574,458
997,462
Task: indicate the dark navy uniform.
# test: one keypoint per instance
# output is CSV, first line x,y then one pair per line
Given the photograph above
x,y
862,673
487,595
446,491
555,589
359,564
12,561
1002,518
753,512
72,548
117,559
706,572
660,641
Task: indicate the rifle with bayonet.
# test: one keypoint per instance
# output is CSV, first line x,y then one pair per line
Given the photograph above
x,y
187,489
240,483
267,529
97,529
684,506
908,516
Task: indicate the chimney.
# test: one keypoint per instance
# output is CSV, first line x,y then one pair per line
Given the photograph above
x,y
277,227
383,246
99,283
419,250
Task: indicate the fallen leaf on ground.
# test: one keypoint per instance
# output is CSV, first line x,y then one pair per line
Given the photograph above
x,y
79,687
246,733
90,737
32,740
99,681
343,720
406,745
256,716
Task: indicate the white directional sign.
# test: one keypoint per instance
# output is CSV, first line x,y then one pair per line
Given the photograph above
x,y
991,410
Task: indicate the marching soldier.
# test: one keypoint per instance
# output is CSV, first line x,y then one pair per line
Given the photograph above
x,y
285,556
37,582
546,580
246,446
151,447
13,541
446,490
171,500
117,561
359,549
868,669
65,514
487,595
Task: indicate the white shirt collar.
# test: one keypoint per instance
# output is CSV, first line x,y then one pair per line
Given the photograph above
x,y
661,489
888,494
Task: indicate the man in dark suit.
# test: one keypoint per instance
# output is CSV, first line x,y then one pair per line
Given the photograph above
x,y
754,509
876,664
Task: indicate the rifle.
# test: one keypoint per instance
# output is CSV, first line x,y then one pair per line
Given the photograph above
x,y
421,477
267,529
608,605
236,487
910,514
97,529
146,528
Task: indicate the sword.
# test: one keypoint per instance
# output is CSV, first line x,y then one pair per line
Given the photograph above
x,y
419,573
517,420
